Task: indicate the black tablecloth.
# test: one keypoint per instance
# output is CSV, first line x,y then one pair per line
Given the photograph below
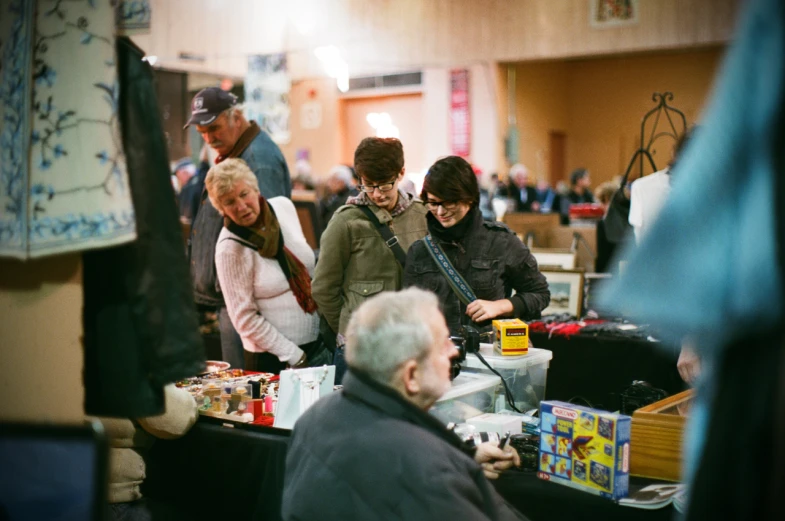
x,y
544,501
219,472
237,473
598,368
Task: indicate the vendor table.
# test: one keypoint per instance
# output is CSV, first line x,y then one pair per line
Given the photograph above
x,y
543,501
238,473
597,368
219,472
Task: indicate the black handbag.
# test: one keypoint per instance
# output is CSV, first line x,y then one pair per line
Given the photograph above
x,y
617,218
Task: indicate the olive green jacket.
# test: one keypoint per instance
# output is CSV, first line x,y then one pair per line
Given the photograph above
x,y
355,263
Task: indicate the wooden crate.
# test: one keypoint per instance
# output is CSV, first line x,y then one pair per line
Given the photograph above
x,y
656,438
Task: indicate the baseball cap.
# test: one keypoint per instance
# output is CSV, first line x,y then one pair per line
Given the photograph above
x,y
208,104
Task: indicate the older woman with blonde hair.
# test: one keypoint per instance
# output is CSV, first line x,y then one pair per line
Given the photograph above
x,y
264,267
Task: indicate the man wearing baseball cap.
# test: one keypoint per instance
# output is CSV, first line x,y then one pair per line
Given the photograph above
x,y
224,128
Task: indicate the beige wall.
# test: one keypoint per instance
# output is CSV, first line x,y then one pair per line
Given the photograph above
x,y
598,103
324,141
40,340
382,36
424,129
542,105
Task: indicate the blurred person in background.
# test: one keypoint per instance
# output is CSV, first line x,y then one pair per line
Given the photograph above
x,y
580,187
547,198
604,193
189,188
303,178
340,186
522,196
579,193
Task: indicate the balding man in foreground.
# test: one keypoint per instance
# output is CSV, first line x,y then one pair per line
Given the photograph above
x,y
371,451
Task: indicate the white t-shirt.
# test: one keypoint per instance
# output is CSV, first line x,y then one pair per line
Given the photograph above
x,y
647,195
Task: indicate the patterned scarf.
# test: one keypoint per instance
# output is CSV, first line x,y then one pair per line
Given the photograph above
x,y
266,235
404,202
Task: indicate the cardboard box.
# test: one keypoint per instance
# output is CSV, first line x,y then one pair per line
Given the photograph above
x,y
585,448
511,336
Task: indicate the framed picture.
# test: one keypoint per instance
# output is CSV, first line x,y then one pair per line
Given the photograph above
x,y
554,258
566,288
592,283
613,13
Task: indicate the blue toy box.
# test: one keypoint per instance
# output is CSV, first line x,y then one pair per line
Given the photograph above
x,y
585,448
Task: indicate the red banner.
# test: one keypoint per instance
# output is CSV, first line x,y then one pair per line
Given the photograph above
x,y
460,122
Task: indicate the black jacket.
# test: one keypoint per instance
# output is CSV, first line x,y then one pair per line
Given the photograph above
x,y
522,204
493,261
366,453
141,329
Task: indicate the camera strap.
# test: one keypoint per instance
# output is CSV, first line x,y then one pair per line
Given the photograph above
x,y
457,283
389,239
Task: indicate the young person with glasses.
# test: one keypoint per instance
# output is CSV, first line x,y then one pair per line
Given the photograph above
x,y
490,258
355,262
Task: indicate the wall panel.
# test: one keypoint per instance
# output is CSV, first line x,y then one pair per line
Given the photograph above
x,y
385,35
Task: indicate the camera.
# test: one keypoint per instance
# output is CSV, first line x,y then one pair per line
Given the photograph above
x,y
467,341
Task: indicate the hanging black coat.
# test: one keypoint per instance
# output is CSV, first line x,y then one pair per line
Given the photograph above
x,y
140,325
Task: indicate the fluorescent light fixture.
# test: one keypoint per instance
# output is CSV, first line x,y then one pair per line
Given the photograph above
x,y
382,123
334,65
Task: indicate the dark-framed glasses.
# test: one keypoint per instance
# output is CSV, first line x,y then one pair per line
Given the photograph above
x,y
384,187
447,205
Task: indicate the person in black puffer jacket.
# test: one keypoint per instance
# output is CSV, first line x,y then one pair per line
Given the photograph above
x,y
490,257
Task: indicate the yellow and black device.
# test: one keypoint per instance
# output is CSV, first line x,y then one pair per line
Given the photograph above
x,y
511,336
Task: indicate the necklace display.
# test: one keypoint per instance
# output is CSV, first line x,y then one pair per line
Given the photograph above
x,y
312,384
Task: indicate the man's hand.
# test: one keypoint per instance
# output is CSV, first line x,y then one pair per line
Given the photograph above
x,y
480,310
494,460
689,364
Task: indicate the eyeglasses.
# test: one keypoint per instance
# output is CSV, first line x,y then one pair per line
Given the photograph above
x,y
384,187
447,205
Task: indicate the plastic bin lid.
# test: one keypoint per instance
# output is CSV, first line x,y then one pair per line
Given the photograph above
x,y
468,383
533,357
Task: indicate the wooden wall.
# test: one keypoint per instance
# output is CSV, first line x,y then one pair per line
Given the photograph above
x,y
387,35
598,103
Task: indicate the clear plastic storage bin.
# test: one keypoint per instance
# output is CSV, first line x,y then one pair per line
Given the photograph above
x,y
525,375
471,394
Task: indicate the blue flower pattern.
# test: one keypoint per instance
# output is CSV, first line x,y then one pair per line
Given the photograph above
x,y
30,99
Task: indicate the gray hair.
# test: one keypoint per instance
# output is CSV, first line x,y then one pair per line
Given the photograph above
x,y
388,330
343,173
222,177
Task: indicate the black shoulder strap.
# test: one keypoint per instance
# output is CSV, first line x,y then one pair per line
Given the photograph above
x,y
389,239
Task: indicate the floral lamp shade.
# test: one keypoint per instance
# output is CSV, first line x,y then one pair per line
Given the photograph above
x,y
63,180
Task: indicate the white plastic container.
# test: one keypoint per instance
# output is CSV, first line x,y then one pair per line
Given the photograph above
x,y
472,394
525,375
